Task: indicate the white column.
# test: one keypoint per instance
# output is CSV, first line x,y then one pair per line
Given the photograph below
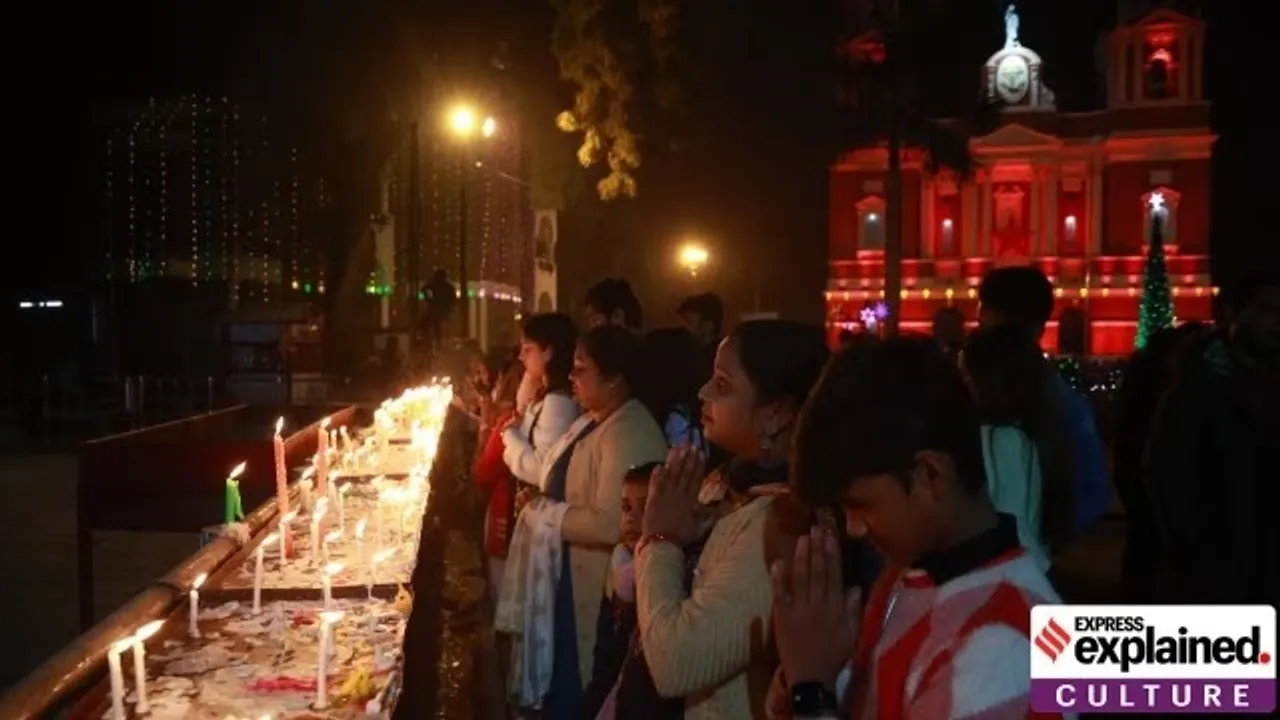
x,y
984,226
969,217
1051,220
1095,212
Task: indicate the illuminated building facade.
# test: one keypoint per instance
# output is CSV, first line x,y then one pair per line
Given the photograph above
x,y
201,192
1072,193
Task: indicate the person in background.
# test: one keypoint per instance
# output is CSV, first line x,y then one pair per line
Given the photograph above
x,y
672,381
442,296
612,302
1146,378
1210,460
616,628
1024,443
702,565
390,366
845,338
1023,296
492,476
948,330
584,471
891,433
547,341
703,316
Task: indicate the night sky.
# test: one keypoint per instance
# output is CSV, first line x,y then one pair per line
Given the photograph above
x,y
745,162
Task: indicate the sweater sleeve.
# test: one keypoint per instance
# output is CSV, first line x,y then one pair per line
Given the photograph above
x,y
985,680
622,447
696,641
525,459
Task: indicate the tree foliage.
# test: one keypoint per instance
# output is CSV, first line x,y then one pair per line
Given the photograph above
x,y
611,51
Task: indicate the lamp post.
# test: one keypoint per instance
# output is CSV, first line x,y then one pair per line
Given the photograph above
x,y
465,123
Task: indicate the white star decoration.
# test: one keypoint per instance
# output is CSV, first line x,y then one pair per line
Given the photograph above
x,y
1156,201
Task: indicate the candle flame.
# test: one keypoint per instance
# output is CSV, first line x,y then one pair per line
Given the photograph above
x,y
279,424
237,471
288,517
148,630
383,554
333,535
195,584
360,528
344,488
308,472
324,423
333,568
329,617
120,645
273,537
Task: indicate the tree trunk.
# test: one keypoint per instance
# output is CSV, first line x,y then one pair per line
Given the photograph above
x,y
893,234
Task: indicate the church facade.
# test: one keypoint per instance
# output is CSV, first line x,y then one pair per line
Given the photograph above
x,y
1075,194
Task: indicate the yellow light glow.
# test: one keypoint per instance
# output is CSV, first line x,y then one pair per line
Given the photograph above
x,y
462,120
489,127
693,257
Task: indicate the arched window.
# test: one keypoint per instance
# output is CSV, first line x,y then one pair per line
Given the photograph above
x,y
1160,208
871,222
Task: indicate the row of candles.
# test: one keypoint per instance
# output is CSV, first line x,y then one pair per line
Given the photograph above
x,y
392,419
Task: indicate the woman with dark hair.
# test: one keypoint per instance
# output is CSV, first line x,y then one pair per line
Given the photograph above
x,y
702,564
1029,463
546,350
577,519
671,388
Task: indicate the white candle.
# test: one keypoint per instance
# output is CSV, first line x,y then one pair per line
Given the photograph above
x,y
316,517
117,678
326,583
193,613
327,619
286,522
342,504
378,557
138,641
360,552
330,538
257,573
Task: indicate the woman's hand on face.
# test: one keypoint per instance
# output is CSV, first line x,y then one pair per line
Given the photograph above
x,y
673,496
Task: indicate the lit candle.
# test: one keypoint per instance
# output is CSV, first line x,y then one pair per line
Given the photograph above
x,y
360,552
138,641
330,538
304,487
234,510
327,620
378,557
117,677
322,459
342,504
282,479
193,613
286,534
322,506
257,573
326,583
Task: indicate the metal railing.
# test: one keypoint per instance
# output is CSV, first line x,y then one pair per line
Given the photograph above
x,y
49,412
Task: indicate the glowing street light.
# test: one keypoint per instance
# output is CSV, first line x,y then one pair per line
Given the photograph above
x,y
693,258
464,121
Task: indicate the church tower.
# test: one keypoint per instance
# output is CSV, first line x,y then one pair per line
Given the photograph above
x,y
1156,61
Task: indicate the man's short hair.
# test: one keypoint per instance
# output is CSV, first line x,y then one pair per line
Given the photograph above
x,y
1021,294
707,306
612,295
640,473
878,404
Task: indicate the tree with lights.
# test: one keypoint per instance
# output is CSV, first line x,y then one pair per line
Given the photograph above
x,y
1156,311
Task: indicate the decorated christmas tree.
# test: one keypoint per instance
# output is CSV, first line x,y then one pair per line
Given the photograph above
x,y
1156,311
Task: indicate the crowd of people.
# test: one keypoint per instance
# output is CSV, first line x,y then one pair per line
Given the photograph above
x,y
691,523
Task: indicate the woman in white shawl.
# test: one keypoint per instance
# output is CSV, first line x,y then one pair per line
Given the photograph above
x,y
547,342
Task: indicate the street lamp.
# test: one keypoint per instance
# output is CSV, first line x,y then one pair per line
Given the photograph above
x,y
465,123
693,258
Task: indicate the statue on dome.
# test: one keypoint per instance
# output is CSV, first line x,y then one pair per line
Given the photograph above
x,y
1011,28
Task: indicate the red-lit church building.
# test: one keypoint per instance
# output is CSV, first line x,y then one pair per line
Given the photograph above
x,y
1072,193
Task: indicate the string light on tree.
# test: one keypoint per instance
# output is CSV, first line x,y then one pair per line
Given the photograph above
x,y
1156,309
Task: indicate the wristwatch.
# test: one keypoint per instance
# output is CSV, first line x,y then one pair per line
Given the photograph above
x,y
812,699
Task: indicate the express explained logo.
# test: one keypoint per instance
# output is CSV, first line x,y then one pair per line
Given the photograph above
x,y
1143,643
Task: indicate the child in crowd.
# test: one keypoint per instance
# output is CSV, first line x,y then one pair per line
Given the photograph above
x,y
616,642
